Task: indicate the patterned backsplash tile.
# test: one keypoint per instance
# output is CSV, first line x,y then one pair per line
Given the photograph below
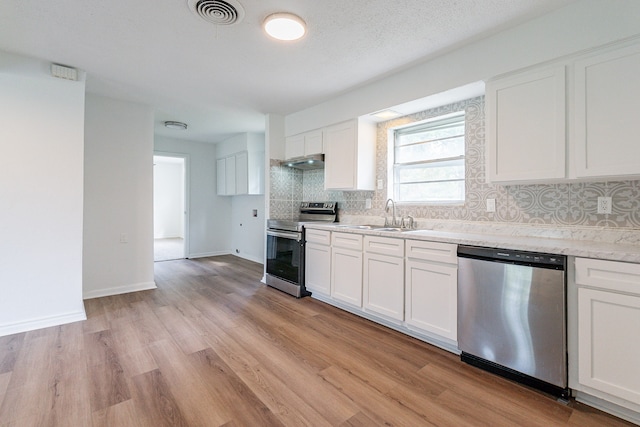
x,y
568,204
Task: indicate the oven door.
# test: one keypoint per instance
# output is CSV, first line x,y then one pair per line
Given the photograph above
x,y
285,256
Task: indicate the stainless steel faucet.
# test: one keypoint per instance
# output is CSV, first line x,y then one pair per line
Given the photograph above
x,y
407,222
394,222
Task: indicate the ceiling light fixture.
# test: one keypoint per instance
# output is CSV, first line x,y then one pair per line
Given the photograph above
x,y
175,125
285,26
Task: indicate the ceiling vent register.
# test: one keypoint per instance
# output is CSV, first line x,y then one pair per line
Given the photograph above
x,y
219,12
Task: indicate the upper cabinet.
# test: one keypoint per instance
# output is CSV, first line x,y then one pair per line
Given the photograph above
x,y
304,144
240,166
571,120
605,114
350,155
526,126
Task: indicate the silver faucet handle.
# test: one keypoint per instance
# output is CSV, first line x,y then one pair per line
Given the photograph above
x,y
407,222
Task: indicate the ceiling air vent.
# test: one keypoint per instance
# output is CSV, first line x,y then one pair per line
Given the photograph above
x,y
219,12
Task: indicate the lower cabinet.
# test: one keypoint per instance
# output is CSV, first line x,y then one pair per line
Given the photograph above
x,y
408,285
318,268
383,277
608,330
318,261
431,288
346,268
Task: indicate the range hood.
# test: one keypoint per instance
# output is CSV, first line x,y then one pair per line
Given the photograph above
x,y
315,161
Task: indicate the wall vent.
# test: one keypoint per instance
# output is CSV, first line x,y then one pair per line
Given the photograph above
x,y
64,72
219,12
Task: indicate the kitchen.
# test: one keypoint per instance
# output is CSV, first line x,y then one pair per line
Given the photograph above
x,y
423,80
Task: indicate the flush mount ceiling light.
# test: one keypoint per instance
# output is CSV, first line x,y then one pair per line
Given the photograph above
x,y
285,26
175,125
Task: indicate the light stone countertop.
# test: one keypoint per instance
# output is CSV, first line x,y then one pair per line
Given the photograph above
x,y
591,243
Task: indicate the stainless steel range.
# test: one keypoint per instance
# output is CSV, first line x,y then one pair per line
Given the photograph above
x,y
285,246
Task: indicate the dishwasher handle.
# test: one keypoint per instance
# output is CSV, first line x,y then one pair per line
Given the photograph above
x,y
510,256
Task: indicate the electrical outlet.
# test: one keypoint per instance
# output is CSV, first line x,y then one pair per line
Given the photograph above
x,y
604,205
491,205
380,184
367,203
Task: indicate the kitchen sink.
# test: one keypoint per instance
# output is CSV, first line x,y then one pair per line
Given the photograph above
x,y
373,227
358,227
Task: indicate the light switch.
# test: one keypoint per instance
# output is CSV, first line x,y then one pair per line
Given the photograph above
x,y
380,184
367,203
491,205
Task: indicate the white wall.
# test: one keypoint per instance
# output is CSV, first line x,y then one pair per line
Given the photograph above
x,y
579,26
209,215
168,198
247,231
118,197
41,138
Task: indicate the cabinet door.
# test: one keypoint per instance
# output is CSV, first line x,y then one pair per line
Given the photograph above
x,y
294,146
432,298
221,174
384,285
340,156
230,175
607,101
318,268
526,138
242,173
608,345
346,276
313,143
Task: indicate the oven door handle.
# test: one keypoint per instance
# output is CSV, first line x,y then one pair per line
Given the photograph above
x,y
293,236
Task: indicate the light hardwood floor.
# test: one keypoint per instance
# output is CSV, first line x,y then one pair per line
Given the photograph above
x,y
212,346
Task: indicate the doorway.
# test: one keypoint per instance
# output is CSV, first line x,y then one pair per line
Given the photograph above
x,y
169,207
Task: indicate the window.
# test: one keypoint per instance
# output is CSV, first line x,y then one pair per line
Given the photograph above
x,y
428,161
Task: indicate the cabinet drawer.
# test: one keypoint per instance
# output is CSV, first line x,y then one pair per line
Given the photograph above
x,y
347,241
432,251
322,237
384,245
612,275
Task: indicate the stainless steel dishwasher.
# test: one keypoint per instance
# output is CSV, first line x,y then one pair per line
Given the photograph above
x,y
512,315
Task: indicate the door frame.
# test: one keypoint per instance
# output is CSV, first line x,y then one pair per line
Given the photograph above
x,y
187,203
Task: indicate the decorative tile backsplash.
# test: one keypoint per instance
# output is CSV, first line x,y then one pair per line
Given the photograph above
x,y
571,204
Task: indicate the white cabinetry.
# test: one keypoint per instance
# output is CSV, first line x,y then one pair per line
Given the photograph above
x,y
241,173
526,126
318,261
608,330
383,277
226,176
346,268
303,144
350,155
431,280
607,101
536,116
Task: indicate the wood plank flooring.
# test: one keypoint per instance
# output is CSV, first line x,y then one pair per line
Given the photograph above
x,y
212,346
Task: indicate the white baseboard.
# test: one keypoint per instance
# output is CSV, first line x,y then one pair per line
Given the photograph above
x,y
119,290
42,322
609,407
208,254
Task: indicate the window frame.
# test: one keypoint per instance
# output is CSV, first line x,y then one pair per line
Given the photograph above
x,y
392,184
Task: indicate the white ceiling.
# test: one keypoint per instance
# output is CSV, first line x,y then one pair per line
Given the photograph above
x,y
221,80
